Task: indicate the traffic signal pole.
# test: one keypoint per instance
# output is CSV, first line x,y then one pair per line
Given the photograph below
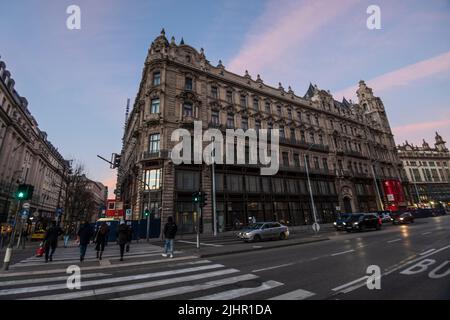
x,y
9,249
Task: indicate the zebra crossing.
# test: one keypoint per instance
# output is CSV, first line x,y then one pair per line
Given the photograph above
x,y
197,279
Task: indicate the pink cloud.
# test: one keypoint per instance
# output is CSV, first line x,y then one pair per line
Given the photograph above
x,y
110,182
415,132
288,27
404,76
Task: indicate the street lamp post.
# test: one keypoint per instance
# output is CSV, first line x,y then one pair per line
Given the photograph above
x,y
376,185
214,193
310,188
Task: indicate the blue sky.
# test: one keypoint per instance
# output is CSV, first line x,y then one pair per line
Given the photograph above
x,y
77,82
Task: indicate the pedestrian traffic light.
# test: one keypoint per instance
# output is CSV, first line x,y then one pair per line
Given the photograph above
x,y
24,192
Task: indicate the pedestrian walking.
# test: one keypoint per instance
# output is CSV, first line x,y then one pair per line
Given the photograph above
x,y
100,239
67,234
123,236
84,238
170,231
51,240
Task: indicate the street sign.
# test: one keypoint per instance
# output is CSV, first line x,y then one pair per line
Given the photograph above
x,y
26,205
24,214
338,208
36,214
128,214
390,197
316,227
59,211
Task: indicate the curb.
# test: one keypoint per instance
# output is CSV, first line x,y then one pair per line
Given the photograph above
x,y
216,254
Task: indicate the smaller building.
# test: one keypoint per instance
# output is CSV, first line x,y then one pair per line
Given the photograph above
x,y
428,170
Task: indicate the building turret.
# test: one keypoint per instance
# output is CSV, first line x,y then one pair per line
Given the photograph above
x,y
440,143
372,106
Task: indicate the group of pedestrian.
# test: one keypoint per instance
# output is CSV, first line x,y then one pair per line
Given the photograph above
x,y
86,234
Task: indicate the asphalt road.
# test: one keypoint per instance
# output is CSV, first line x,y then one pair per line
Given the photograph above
x,y
413,260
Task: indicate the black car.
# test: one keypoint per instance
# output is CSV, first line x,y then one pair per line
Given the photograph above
x,y
339,224
403,218
361,222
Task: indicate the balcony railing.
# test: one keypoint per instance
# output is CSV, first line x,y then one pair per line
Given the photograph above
x,y
304,144
161,154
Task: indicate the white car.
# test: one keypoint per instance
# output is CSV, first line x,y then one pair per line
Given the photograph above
x,y
264,230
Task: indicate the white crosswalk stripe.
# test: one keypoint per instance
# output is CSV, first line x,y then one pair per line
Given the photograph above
x,y
198,279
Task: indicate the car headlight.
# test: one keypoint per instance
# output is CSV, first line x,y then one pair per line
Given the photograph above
x,y
335,223
401,219
344,223
355,223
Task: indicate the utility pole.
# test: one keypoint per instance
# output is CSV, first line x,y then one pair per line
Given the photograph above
x,y
376,186
313,206
9,249
214,193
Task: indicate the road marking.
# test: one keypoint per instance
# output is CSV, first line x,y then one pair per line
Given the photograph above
x,y
395,269
130,264
236,293
187,289
350,283
109,280
35,264
274,267
395,240
426,252
87,258
299,294
256,247
425,233
203,244
39,280
343,252
130,287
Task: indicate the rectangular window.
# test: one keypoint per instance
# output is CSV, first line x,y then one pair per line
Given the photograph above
x,y
188,83
297,159
299,116
279,111
312,138
320,139
244,101
214,92
317,120
257,125
230,121
187,109
292,133
316,163
302,136
229,96
187,180
325,163
244,124
255,103
154,108
215,117
154,143
152,179
156,78
290,114
286,159
282,134
268,107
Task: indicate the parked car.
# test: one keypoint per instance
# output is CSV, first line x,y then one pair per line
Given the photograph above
x,y
264,230
339,224
385,216
403,218
361,222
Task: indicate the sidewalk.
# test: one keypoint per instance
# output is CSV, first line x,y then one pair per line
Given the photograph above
x,y
228,243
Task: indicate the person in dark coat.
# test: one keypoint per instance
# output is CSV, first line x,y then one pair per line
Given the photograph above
x,y
123,236
51,240
170,231
84,238
100,239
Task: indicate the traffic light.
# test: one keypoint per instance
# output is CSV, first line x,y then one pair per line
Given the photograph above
x,y
24,192
203,199
116,160
196,197
146,212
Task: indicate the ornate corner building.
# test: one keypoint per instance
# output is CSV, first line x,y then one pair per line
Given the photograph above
x,y
428,170
349,147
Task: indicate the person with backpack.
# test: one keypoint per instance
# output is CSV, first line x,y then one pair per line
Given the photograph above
x,y
170,231
123,237
84,238
100,239
51,240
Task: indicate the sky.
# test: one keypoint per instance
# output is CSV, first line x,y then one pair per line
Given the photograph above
x,y
77,81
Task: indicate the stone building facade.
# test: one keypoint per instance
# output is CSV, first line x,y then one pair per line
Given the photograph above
x,y
342,141
428,170
26,156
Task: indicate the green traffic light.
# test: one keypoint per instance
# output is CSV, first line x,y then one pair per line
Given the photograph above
x,y
21,195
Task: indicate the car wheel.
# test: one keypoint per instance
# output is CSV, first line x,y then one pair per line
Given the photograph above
x,y
257,238
282,236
